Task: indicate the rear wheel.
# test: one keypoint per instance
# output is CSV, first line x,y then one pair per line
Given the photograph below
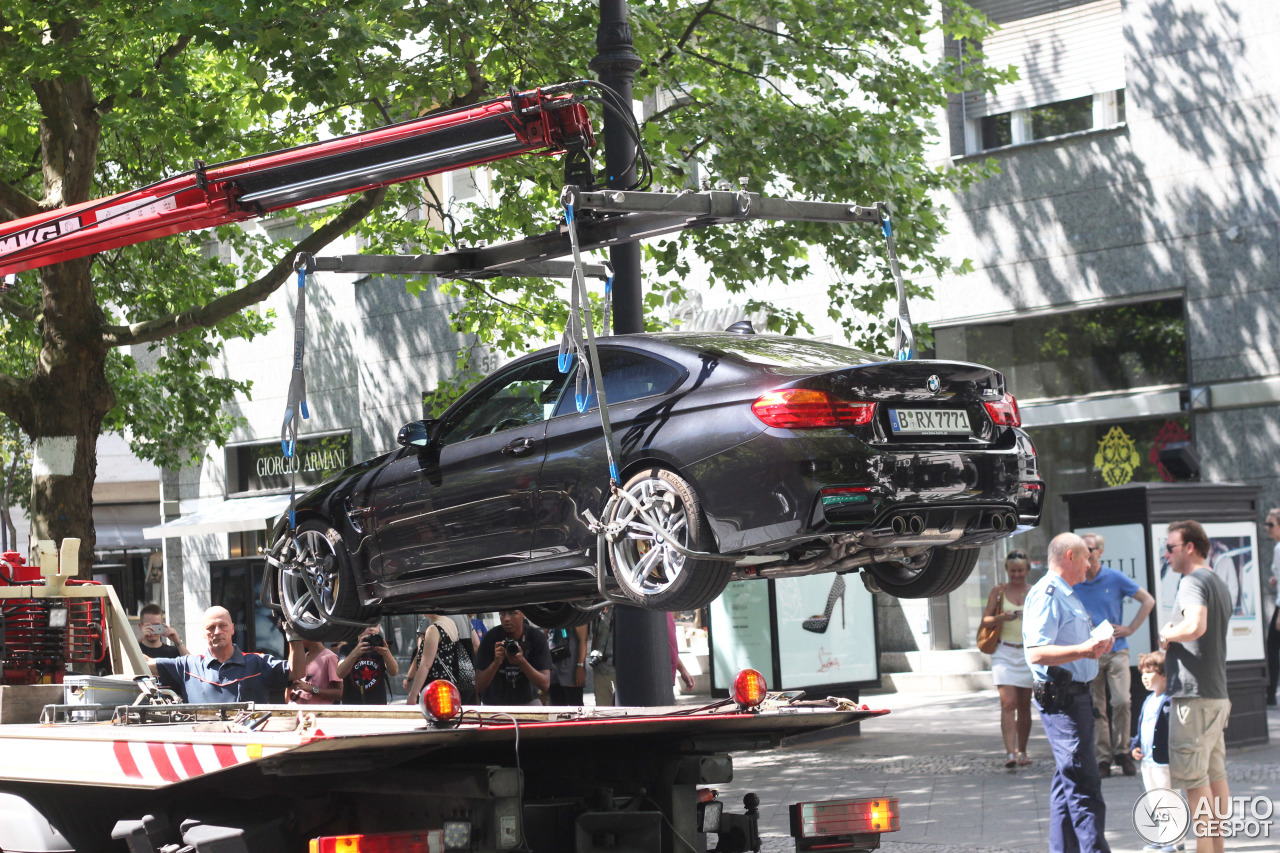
x,y
651,572
316,585
557,615
938,572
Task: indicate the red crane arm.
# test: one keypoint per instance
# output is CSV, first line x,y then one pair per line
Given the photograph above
x,y
521,123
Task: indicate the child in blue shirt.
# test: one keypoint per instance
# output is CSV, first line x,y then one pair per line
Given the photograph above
x,y
1150,745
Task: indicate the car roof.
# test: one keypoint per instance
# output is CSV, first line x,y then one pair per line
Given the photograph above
x,y
718,343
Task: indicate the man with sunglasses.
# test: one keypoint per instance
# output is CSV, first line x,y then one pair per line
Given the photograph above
x,y
1196,667
1103,592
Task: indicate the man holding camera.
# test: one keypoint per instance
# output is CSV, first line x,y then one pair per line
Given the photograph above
x,y
365,668
1063,656
513,664
155,632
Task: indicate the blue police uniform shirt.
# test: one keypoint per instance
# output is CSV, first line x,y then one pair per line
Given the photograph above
x,y
203,679
1104,597
1054,616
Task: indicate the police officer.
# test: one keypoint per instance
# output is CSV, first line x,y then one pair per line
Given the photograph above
x,y
1064,659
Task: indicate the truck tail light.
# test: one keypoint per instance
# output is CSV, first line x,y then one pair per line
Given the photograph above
x,y
836,825
441,702
427,841
749,689
804,408
1004,412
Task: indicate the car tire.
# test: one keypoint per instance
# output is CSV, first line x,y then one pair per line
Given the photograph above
x,y
942,571
669,580
321,555
557,615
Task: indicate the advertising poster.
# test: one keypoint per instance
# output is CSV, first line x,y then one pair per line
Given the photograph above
x,y
1125,550
1233,557
826,631
740,633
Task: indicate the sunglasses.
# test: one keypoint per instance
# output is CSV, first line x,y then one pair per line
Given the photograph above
x,y
1016,555
1091,550
1270,524
1169,546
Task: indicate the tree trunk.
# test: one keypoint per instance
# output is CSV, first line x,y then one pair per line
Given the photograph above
x,y
68,397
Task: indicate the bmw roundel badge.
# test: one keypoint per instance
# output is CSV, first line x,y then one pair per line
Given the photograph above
x,y
934,383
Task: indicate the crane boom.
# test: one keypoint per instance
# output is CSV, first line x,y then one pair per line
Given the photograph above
x,y
539,120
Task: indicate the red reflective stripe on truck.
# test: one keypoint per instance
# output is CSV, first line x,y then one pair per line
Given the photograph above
x,y
190,764
163,766
125,760
226,755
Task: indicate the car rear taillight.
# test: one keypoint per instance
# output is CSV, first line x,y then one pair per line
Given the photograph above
x,y
804,408
1004,412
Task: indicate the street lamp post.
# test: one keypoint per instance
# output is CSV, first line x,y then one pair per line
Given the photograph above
x,y
642,649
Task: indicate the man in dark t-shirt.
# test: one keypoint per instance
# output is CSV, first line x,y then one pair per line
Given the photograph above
x,y
155,633
365,669
513,664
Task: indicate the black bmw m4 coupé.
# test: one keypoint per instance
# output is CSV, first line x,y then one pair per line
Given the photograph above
x,y
742,456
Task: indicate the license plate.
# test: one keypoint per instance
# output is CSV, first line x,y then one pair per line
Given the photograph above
x,y
929,421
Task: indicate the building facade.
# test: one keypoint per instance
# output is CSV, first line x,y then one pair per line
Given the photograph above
x,y
1125,257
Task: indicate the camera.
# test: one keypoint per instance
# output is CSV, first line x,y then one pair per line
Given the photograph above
x,y
375,640
511,647
595,657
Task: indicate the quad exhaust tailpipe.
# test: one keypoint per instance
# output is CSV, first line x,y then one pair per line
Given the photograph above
x,y
1001,521
902,524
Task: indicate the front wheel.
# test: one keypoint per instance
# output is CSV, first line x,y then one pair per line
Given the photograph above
x,y
937,572
316,586
651,572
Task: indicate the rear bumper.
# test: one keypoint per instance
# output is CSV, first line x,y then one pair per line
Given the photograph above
x,y
780,499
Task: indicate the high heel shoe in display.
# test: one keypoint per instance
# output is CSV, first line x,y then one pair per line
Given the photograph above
x,y
818,624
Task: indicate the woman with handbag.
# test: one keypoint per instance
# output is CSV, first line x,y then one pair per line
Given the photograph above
x,y
439,655
1009,667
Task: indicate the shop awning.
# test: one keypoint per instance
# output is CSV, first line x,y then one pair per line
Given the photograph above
x,y
231,516
120,526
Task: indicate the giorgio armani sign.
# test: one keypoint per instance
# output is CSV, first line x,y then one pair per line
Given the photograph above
x,y
263,467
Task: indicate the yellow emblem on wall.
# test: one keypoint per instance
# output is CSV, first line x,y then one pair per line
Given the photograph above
x,y
1117,458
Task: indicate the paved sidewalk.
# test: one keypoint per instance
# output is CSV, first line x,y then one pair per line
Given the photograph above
x,y
941,755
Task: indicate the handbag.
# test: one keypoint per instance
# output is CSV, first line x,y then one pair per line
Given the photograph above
x,y
989,635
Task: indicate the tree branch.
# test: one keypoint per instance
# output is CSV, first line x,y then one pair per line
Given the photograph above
x,y
18,204
18,308
228,304
684,37
108,103
14,398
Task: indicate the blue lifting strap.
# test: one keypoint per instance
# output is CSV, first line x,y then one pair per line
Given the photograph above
x,y
296,402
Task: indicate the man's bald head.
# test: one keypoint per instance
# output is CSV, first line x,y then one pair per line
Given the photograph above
x,y
1069,557
218,631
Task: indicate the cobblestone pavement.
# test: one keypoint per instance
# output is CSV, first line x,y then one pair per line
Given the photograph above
x,y
941,756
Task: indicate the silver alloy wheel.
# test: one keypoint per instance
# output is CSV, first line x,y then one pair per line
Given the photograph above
x,y
310,580
647,563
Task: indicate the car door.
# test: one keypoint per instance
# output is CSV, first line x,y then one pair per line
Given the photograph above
x,y
464,502
575,474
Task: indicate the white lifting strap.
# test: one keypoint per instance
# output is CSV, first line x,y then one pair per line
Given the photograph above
x,y
904,345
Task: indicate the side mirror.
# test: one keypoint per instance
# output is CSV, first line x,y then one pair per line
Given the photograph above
x,y
416,433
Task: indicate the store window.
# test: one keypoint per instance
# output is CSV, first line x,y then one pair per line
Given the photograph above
x,y
1065,355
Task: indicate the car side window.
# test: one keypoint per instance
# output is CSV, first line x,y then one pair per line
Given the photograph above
x,y
524,396
628,375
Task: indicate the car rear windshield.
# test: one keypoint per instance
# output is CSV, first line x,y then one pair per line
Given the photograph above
x,y
781,351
